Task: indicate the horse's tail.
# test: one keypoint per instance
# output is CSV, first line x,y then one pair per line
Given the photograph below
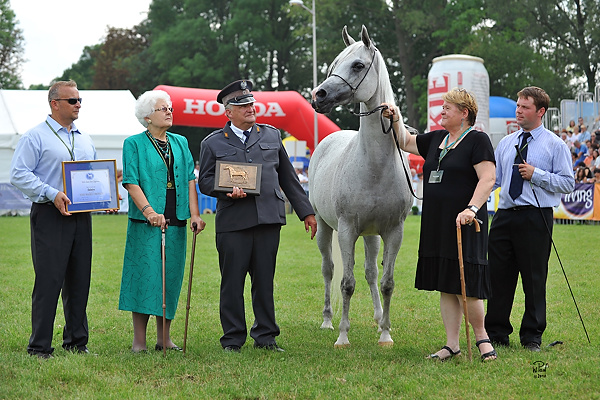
x,y
338,273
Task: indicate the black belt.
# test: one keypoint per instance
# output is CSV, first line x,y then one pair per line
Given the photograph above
x,y
519,208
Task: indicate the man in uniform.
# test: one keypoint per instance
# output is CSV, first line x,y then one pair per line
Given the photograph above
x,y
247,225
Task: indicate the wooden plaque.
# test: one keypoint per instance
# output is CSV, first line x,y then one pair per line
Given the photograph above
x,y
243,175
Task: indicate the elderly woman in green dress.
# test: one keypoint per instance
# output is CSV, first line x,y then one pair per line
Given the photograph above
x,y
158,173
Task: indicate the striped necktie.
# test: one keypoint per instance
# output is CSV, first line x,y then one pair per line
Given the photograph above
x,y
247,135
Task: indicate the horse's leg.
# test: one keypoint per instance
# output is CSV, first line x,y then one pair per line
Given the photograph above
x,y
347,239
372,244
324,235
391,246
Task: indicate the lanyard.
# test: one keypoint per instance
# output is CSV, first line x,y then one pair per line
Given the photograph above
x,y
447,146
72,149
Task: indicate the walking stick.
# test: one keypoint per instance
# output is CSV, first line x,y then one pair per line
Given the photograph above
x,y
462,283
164,289
187,307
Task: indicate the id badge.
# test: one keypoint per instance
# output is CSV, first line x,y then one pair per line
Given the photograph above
x,y
436,176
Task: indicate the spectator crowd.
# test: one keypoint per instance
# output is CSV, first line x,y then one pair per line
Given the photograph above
x,y
585,148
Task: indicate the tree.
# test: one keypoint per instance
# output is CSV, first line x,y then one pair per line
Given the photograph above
x,y
113,59
11,48
82,71
565,32
116,63
209,43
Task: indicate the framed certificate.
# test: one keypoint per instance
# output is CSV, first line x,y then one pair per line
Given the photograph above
x,y
91,185
243,175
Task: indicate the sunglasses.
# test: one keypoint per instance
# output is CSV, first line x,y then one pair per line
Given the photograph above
x,y
164,109
72,100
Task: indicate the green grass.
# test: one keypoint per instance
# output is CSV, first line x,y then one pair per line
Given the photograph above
x,y
310,368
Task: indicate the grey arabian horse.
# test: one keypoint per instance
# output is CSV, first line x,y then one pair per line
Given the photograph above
x,y
357,183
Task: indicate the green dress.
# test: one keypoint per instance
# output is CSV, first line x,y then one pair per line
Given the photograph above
x,y
141,282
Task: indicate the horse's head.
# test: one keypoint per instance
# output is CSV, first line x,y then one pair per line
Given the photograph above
x,y
351,78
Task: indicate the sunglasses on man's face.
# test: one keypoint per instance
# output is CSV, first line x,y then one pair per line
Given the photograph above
x,y
72,100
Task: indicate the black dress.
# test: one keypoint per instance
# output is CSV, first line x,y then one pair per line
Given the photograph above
x,y
438,267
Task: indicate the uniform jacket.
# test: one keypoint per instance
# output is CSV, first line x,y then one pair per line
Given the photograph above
x,y
264,146
143,166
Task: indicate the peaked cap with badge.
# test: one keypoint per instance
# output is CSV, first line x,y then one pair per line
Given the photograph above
x,y
236,93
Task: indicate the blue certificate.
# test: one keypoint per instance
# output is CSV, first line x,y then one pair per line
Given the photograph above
x,y
91,185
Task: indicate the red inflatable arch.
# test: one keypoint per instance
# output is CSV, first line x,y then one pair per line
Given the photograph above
x,y
284,110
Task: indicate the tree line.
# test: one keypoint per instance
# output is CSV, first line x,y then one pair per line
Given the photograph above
x,y
554,44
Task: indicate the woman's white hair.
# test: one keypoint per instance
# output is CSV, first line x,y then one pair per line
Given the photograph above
x,y
145,104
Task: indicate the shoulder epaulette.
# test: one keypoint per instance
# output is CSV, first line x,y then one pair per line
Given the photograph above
x,y
213,133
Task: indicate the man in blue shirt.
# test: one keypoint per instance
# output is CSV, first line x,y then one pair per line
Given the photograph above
x,y
61,242
533,168
584,134
580,150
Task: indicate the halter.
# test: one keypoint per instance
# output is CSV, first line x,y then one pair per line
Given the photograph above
x,y
381,109
354,89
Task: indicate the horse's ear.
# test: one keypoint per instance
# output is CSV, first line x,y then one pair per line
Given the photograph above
x,y
365,36
347,38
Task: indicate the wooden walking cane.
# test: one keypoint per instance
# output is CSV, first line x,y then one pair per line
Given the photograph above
x,y
462,283
164,289
187,307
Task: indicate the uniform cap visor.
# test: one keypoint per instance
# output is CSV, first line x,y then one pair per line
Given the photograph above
x,y
241,100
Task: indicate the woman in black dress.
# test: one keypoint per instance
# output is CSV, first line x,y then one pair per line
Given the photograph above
x,y
458,176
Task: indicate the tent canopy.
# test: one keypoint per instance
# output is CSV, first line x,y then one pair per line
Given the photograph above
x,y
502,107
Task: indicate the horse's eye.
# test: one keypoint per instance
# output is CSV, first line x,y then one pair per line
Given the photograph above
x,y
357,66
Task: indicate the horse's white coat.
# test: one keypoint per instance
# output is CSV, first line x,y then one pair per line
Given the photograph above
x,y
357,183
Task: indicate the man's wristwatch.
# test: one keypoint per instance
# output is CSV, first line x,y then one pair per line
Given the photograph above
x,y
473,208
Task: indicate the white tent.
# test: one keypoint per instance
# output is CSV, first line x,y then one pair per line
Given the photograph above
x,y
107,115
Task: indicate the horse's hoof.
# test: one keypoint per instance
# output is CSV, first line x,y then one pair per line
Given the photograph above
x,y
386,344
341,346
327,325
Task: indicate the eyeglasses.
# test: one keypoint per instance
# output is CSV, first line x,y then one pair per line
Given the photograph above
x,y
164,109
72,100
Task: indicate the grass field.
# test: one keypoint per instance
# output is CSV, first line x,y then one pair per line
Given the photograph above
x,y
310,368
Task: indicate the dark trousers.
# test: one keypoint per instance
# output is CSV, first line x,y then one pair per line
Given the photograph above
x,y
61,249
518,244
251,251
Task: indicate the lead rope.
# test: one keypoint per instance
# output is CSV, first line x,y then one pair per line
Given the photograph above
x,y
381,109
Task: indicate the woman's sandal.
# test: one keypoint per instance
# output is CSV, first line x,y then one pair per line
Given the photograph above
x,y
449,350
487,356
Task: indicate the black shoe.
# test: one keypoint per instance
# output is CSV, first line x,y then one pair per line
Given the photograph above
x,y
487,356
158,347
450,355
532,346
78,350
271,347
41,355
232,349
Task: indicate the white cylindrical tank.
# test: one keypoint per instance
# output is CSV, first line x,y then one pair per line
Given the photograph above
x,y
461,71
